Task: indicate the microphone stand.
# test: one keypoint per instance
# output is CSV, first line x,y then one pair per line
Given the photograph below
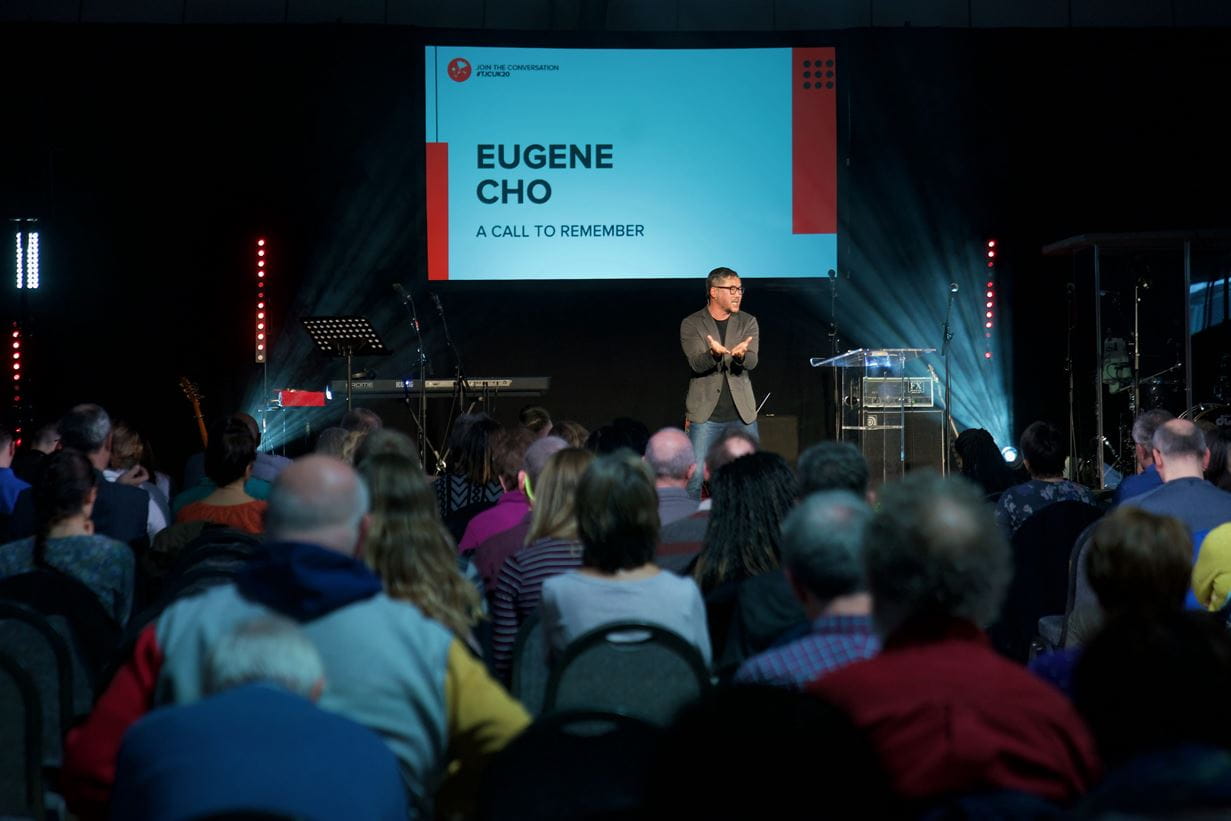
x,y
833,350
459,381
420,419
947,334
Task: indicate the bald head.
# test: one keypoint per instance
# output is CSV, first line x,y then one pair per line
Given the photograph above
x,y
670,456
1180,451
319,500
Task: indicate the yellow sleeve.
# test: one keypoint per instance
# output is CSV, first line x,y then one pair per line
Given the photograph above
x,y
482,718
1212,570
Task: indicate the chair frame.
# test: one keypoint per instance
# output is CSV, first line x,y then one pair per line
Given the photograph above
x,y
33,731
25,613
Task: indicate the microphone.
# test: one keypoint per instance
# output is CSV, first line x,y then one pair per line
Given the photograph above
x,y
953,287
401,292
436,299
397,286
932,371
833,274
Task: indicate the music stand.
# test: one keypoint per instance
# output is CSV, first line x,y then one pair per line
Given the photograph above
x,y
347,336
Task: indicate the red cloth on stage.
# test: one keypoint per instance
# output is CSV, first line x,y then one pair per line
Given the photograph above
x,y
950,717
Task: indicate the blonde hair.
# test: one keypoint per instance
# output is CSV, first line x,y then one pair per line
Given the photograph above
x,y
409,547
555,496
351,444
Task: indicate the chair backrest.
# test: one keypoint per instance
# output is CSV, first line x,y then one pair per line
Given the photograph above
x,y
21,753
528,683
93,635
1082,605
27,636
1042,556
634,669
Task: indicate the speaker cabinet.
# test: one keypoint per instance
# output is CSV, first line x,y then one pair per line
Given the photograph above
x,y
780,435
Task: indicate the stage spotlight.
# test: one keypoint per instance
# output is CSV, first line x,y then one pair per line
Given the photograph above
x,y
1011,456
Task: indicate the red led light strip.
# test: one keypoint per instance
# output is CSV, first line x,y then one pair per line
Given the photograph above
x,y
261,329
992,251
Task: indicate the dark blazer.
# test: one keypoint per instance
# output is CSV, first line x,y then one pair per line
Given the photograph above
x,y
120,512
708,373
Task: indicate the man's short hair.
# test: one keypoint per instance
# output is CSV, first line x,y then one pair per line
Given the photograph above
x,y
1043,448
822,543
721,452
1147,423
85,428
833,466
508,449
933,552
536,418
269,649
361,419
1139,561
6,436
617,513
668,455
291,512
718,275
1179,437
46,436
538,454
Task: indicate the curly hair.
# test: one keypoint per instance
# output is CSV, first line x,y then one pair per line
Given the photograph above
x,y
752,495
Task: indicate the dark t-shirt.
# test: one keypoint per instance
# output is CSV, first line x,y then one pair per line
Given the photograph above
x,y
725,410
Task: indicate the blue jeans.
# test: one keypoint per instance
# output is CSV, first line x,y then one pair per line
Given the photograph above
x,y
704,434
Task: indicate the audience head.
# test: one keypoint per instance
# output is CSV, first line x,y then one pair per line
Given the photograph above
x,y
572,432
737,739
508,447
46,438
8,446
731,444
1218,441
933,553
1144,427
127,449
536,419
833,466
352,443
670,456
1139,561
319,500
470,444
87,428
617,513
231,451
361,419
253,428
1043,450
409,547
1180,451
387,440
537,456
330,442
981,461
66,487
1149,682
622,434
268,650
555,495
822,544
751,497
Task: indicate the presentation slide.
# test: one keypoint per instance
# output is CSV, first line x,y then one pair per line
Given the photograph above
x,y
630,163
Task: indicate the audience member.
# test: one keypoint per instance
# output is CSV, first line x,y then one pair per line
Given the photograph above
x,y
257,743
389,667
470,479
409,548
669,455
535,419
229,460
361,420
1146,478
120,511
65,540
387,440
509,449
822,554
947,714
267,465
10,484
980,460
329,442
1043,451
1136,562
1211,574
128,459
617,519
29,457
1182,457
833,466
552,548
621,434
1153,688
572,432
764,752
1218,473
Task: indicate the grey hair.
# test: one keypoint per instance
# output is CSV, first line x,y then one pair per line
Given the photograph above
x,y
933,552
1147,423
822,543
539,453
269,649
85,428
292,512
1169,440
668,461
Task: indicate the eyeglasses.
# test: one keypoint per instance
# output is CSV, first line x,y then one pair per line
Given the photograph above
x,y
734,289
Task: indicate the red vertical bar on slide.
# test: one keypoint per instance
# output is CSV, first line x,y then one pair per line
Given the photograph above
x,y
437,211
814,141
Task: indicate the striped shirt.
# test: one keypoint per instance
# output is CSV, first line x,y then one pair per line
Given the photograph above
x,y
519,587
834,642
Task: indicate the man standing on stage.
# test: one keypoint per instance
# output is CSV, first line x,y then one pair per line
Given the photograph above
x,y
721,345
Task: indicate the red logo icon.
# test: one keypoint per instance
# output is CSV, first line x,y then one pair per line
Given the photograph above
x,y
459,69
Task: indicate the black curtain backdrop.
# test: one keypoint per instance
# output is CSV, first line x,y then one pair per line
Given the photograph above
x,y
155,156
